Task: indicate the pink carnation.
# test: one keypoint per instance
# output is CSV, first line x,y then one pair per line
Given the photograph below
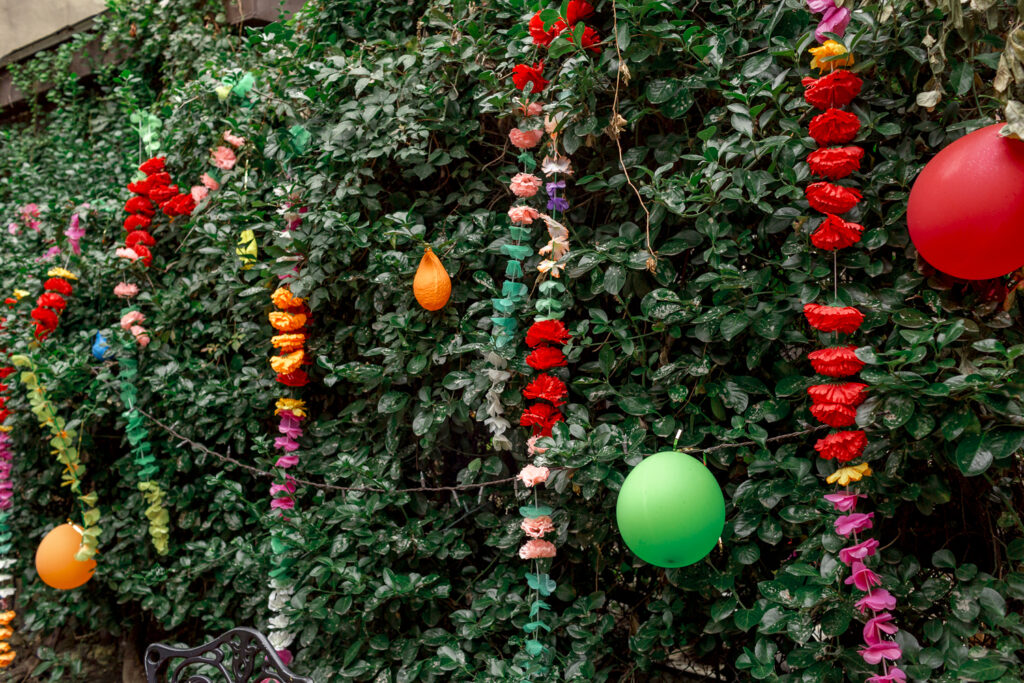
x,y
523,215
127,252
131,318
199,193
139,332
534,109
843,501
531,476
525,139
535,527
224,158
125,290
534,550
525,184
233,140
209,182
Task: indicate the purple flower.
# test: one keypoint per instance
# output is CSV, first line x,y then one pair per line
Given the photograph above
x,y
862,578
876,600
853,523
876,652
876,626
895,675
554,186
558,204
844,501
858,552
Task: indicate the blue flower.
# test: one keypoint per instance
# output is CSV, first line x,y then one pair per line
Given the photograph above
x,y
100,347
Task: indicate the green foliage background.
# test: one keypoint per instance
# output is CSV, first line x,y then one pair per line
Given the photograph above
x,y
389,121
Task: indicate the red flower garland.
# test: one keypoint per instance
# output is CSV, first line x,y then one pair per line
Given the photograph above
x,y
835,233
847,393
542,417
828,198
839,361
522,74
835,162
836,89
548,388
155,190
547,332
834,127
843,446
845,319
545,358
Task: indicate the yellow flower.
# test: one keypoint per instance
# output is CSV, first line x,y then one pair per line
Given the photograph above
x,y
61,272
283,298
845,475
284,365
296,406
288,342
823,54
287,322
20,293
6,428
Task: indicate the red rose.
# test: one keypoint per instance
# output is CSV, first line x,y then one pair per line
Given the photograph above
x,y
547,332
539,35
836,89
162,194
154,165
523,74
835,233
56,284
136,222
45,317
140,205
548,388
845,319
545,358
139,237
834,414
299,378
52,300
829,198
842,446
835,162
838,361
144,253
139,187
578,10
834,127
847,393
589,41
541,417
6,372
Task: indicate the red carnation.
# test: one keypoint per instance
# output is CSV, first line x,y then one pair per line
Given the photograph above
x,y
45,317
539,35
541,417
845,319
835,162
52,300
6,372
842,446
589,41
838,361
836,89
136,222
834,127
56,284
835,233
847,393
523,74
140,205
159,179
162,194
10,301
578,10
154,165
548,388
547,332
144,253
545,358
42,331
139,187
834,414
829,198
139,237
181,205
299,378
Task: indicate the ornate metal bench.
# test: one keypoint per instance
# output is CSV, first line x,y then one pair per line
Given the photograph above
x,y
241,655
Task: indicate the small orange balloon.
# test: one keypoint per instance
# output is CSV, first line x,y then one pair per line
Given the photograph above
x,y
55,559
431,286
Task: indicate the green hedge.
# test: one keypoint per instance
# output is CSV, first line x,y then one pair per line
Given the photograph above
x,y
389,120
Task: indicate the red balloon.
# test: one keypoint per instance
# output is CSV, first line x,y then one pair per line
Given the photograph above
x,y
966,209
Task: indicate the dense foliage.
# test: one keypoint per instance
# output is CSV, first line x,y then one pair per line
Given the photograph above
x,y
389,121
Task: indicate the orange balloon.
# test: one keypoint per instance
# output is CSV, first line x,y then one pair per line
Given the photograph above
x,y
55,559
431,286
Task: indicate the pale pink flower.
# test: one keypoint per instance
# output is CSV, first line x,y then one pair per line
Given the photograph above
x,y
876,600
531,476
49,255
33,224
876,626
525,184
844,501
139,332
209,182
233,140
29,211
862,578
523,215
199,193
532,448
858,552
127,252
125,290
534,109
13,228
535,527
131,319
556,164
534,550
224,158
525,139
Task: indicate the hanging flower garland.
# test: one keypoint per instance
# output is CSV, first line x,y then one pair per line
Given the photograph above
x,y
51,303
7,654
835,403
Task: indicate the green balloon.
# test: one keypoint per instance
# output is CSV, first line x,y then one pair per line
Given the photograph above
x,y
670,510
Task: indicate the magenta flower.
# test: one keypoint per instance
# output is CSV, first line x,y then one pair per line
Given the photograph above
x,y
895,675
290,425
844,501
834,19
284,503
877,600
886,649
75,233
286,461
863,578
286,444
854,523
858,552
287,487
876,626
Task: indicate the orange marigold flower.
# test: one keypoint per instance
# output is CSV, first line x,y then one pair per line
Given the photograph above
x,y
284,365
287,322
6,659
829,56
283,298
7,617
288,342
